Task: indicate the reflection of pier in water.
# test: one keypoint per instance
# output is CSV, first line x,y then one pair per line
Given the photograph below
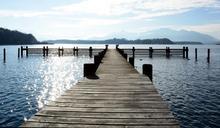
x,y
119,97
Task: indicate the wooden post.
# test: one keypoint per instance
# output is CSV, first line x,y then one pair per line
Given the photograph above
x,y
187,53
167,52
131,61
90,52
150,52
196,54
106,46
47,50
208,58
74,51
133,52
184,49
59,51
44,51
62,50
125,56
21,51
148,70
26,51
4,55
77,51
89,70
18,52
97,60
117,46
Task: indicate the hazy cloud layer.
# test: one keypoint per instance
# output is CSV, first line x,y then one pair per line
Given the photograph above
x,y
89,14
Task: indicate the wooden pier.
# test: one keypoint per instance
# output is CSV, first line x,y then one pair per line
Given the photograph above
x,y
120,98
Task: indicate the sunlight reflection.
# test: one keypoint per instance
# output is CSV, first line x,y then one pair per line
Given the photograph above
x,y
56,75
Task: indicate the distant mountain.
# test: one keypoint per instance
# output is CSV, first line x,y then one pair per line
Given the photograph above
x,y
120,41
176,36
181,35
8,37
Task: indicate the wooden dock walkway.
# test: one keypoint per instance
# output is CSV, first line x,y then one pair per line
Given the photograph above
x,y
120,98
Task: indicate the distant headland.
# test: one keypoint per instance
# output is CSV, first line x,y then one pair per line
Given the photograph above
x,y
13,37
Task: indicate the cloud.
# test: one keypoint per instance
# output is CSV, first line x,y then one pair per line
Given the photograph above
x,y
135,8
25,13
106,16
118,8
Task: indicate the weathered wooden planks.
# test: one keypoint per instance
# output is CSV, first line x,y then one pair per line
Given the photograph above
x,y
120,98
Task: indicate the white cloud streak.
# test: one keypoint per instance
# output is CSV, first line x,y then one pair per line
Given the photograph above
x,y
98,13
118,8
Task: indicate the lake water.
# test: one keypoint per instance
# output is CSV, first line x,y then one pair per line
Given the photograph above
x,y
191,88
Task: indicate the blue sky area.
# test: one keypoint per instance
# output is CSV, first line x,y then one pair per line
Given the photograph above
x,y
87,19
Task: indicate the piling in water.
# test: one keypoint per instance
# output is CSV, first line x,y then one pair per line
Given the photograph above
x,y
184,49
133,52
77,51
167,52
18,52
187,53
208,58
44,51
47,50
150,52
196,54
4,55
21,51
90,52
26,51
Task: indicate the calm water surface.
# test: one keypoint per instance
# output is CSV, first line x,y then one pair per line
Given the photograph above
x,y
26,84
191,88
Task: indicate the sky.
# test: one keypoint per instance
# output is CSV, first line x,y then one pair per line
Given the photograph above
x,y
88,19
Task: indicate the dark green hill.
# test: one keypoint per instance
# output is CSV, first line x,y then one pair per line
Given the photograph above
x,y
9,37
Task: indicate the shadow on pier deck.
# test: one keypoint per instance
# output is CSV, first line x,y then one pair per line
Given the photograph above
x,y
120,98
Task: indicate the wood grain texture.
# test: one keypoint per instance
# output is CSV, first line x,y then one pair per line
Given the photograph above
x,y
120,98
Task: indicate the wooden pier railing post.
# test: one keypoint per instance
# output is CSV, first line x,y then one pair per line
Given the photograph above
x,y
184,49
77,51
44,51
97,60
195,54
208,58
133,52
89,69
58,51
125,56
187,53
148,70
131,61
21,51
150,52
18,52
106,46
47,50
90,52
4,55
74,53
62,50
26,51
167,52
116,46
